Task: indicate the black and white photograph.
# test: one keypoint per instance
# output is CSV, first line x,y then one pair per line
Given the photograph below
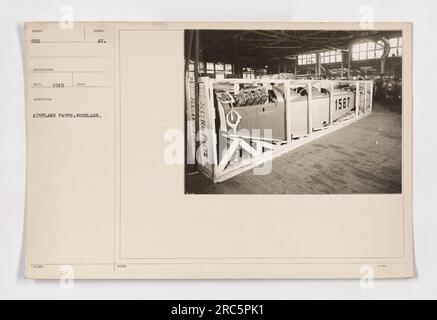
x,y
293,111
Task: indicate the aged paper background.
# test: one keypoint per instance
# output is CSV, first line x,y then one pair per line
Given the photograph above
x,y
101,199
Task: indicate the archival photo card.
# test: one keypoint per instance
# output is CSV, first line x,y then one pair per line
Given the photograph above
x,y
218,150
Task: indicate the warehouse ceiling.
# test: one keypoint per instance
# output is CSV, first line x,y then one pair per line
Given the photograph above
x,y
261,46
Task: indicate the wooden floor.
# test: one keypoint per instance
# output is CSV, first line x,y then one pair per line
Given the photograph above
x,y
364,157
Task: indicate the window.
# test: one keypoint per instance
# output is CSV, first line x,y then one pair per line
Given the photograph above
x,y
367,50
306,59
223,69
248,73
395,47
190,70
262,71
379,49
219,66
330,56
201,67
210,68
217,70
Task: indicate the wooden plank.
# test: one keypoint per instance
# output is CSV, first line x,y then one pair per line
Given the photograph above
x,y
310,107
365,97
248,148
331,102
227,156
211,112
357,98
288,107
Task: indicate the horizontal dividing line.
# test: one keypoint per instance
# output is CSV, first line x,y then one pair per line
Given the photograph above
x,y
212,263
70,87
48,71
73,41
70,57
71,264
263,258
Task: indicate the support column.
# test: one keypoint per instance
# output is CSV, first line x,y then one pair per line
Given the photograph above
x,y
365,97
288,111
357,98
331,102
196,90
318,66
310,105
342,65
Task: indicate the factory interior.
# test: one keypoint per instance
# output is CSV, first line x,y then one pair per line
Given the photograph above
x,y
332,101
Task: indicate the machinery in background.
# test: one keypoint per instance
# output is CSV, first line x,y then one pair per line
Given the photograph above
x,y
246,122
393,90
388,88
